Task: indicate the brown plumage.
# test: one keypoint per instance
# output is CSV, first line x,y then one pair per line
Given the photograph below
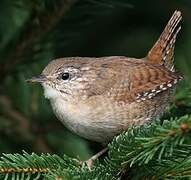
x,y
163,50
98,98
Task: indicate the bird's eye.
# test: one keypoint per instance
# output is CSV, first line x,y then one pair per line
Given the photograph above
x,y
65,76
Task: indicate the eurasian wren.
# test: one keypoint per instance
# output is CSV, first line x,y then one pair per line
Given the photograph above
x,y
98,98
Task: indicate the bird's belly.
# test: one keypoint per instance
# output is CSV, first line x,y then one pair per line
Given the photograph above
x,y
93,124
103,120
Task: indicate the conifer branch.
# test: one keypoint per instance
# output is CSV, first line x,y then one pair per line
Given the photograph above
x,y
149,146
31,165
155,151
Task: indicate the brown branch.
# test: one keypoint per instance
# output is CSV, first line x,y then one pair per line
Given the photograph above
x,y
34,34
23,126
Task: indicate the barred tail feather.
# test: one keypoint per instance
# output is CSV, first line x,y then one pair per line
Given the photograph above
x,y
163,50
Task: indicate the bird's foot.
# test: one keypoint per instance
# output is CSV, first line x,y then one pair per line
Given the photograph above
x,y
89,162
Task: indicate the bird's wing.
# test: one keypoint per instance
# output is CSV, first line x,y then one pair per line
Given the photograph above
x,y
142,81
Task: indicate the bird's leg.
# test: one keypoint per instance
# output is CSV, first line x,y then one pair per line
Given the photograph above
x,y
90,161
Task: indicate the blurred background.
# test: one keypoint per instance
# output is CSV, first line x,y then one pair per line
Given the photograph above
x,y
32,33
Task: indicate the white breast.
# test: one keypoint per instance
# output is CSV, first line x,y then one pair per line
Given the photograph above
x,y
79,117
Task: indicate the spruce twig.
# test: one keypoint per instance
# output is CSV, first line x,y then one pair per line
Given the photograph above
x,y
155,151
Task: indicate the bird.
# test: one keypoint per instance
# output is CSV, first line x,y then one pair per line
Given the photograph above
x,y
100,97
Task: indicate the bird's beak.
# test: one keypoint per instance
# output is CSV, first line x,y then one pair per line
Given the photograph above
x,y
40,79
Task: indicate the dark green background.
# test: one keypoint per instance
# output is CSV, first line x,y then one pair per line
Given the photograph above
x,y
32,33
